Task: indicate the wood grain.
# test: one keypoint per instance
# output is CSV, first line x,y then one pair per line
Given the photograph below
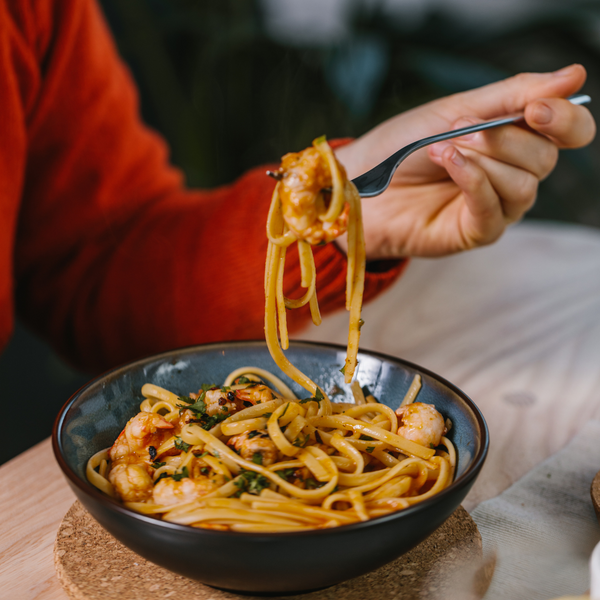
x,y
34,498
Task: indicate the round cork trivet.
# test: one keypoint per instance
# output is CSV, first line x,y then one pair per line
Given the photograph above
x,y
92,565
595,493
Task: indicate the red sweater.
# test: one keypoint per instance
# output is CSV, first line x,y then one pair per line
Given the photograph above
x,y
102,249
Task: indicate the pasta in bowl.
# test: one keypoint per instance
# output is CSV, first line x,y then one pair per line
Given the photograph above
x,y
277,553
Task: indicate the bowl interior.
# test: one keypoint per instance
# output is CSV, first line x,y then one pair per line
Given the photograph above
x,y
97,413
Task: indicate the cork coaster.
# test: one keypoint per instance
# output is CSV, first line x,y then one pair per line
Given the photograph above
x,y
92,565
595,493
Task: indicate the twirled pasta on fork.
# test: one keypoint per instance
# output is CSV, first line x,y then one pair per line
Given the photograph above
x,y
314,202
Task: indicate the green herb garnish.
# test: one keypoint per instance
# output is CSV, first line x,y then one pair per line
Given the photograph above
x,y
286,473
181,445
178,476
161,476
250,482
300,443
312,484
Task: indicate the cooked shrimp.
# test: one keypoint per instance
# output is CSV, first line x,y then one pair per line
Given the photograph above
x,y
421,423
304,176
256,394
229,401
220,401
131,481
168,491
138,442
253,443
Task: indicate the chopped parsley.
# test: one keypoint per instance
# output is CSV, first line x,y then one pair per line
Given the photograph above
x,y
370,449
199,409
161,476
257,458
365,438
181,445
208,423
343,370
158,465
186,399
242,380
316,398
286,473
301,441
198,406
267,414
254,433
181,475
360,324
312,484
251,483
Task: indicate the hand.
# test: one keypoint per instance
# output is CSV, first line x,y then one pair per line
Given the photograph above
x,y
460,194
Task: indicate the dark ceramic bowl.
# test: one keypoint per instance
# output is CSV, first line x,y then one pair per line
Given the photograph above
x,y
263,563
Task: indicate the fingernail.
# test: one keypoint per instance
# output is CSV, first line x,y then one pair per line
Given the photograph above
x,y
458,159
542,114
564,71
438,149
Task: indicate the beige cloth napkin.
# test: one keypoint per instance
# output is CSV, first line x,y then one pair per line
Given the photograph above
x,y
543,528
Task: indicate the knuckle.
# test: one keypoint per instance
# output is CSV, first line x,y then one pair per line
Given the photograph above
x,y
486,236
528,190
548,158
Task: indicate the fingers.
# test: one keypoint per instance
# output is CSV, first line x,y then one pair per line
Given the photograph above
x,y
569,126
482,220
510,144
513,94
515,186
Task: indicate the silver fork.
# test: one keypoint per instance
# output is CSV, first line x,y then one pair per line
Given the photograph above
x,y
376,181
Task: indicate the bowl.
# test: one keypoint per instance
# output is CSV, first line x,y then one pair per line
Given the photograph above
x,y
263,563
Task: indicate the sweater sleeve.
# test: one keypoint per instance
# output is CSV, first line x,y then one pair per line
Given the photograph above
x,y
114,258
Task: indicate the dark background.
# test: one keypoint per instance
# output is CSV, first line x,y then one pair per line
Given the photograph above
x,y
236,83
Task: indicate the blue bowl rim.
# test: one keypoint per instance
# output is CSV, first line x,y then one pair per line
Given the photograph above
x,y
115,505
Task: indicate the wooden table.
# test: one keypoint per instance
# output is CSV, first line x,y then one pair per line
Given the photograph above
x,y
515,325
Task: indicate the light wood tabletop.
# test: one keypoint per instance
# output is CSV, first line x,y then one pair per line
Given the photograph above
x,y
515,325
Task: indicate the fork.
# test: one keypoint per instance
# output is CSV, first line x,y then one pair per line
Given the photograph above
x,y
376,181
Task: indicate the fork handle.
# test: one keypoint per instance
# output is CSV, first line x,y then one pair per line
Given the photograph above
x,y
375,181
514,118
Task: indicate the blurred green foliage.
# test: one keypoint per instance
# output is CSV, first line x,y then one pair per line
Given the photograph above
x,y
227,97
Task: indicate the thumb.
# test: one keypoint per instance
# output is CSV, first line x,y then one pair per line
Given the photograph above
x,y
513,94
